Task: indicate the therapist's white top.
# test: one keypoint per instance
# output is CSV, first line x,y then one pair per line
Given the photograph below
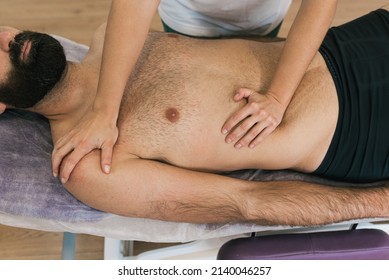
x,y
213,18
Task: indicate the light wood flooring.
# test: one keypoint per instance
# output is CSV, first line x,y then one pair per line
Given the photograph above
x,y
77,20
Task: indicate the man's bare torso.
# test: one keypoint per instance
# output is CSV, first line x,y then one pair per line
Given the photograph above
x,y
180,94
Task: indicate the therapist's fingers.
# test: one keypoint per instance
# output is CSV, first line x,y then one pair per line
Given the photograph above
x,y
267,131
243,93
106,156
234,120
71,160
65,147
257,125
242,113
240,130
256,134
61,149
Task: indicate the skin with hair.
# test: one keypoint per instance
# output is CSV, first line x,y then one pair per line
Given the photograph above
x,y
128,23
169,123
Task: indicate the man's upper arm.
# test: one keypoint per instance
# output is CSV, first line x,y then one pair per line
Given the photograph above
x,y
150,189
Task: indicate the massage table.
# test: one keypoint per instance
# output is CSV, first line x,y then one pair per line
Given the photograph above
x,y
30,197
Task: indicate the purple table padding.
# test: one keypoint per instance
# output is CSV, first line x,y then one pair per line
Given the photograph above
x,y
360,244
27,186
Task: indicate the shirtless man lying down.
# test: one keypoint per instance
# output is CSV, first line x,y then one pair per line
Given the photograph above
x,y
176,102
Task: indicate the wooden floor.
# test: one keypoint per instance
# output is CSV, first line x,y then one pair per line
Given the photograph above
x,y
77,20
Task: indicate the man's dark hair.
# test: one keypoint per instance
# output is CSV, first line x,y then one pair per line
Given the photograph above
x,y
30,80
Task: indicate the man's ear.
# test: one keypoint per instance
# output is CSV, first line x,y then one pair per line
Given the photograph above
x,y
2,107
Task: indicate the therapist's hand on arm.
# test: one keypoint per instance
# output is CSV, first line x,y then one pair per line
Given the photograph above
x,y
264,111
127,28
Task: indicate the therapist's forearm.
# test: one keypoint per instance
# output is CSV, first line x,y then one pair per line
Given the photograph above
x,y
127,28
305,36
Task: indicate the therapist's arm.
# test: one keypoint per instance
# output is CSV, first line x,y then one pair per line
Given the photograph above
x,y
127,28
303,41
264,111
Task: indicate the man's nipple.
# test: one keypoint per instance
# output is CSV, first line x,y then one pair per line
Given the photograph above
x,y
172,115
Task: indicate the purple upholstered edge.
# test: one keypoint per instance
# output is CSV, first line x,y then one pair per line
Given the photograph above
x,y
360,244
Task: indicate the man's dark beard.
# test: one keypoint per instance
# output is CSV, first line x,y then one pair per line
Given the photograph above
x,y
30,80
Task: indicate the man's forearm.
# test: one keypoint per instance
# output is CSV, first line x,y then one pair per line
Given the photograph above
x,y
292,203
298,203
